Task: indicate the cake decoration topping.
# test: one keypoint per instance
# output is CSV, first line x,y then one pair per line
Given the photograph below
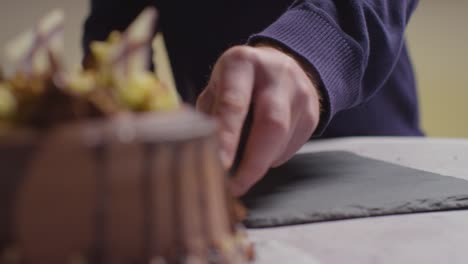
x,y
41,92
31,52
28,96
121,65
8,102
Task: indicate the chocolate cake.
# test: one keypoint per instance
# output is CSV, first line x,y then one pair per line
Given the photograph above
x,y
125,174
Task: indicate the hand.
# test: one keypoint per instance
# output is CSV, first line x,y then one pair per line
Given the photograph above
x,y
286,109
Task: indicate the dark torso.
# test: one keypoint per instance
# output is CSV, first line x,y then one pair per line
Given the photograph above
x,y
197,32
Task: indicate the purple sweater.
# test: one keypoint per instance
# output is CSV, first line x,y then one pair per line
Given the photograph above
x,y
357,47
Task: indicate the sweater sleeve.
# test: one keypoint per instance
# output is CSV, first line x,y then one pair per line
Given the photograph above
x,y
352,44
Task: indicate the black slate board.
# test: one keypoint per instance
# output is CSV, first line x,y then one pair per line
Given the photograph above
x,y
327,186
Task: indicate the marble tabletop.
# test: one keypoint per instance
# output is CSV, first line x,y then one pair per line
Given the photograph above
x,y
430,238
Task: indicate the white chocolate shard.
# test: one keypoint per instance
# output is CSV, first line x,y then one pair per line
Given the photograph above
x,y
132,53
30,52
8,103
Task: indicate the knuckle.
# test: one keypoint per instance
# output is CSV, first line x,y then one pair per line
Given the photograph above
x,y
239,53
228,141
277,121
289,66
303,90
232,102
278,125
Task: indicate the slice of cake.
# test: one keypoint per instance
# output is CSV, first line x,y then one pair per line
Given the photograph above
x,y
132,176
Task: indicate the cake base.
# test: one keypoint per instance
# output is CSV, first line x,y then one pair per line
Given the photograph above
x,y
133,189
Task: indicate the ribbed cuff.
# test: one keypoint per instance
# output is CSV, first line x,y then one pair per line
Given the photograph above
x,y
315,39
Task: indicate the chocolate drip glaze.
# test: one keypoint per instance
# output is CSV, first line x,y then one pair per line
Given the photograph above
x,y
211,170
179,241
202,202
99,254
148,205
14,162
155,197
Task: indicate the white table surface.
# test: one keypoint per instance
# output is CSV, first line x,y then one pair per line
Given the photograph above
x,y
429,238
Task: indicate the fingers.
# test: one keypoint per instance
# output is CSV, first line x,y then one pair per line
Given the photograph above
x,y
267,139
285,110
301,133
205,101
228,97
291,140
306,116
